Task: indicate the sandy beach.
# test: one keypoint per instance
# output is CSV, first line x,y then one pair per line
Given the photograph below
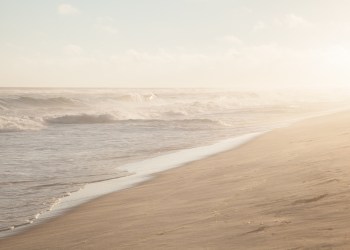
x,y
287,189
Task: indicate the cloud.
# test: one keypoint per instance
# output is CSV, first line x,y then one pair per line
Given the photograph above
x,y
259,26
293,21
67,9
230,39
72,50
106,24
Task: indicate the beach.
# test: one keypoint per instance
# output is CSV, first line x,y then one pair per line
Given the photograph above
x,y
286,189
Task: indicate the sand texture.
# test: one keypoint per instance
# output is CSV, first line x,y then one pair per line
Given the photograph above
x,y
287,189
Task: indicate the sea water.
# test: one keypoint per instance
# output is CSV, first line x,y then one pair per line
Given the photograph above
x,y
55,142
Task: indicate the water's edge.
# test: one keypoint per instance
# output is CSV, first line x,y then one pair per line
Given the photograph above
x,y
141,171
144,170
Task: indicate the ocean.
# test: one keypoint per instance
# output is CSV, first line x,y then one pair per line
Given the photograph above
x,y
56,142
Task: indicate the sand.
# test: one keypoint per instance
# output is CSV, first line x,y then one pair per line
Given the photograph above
x,y
287,189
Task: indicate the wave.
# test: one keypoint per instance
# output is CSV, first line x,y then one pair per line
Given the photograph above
x,y
182,123
34,111
82,119
26,123
174,113
137,97
203,122
84,102
37,102
110,118
163,104
18,124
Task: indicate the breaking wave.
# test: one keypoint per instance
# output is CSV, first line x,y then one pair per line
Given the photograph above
x,y
82,119
18,124
36,109
109,118
136,97
24,101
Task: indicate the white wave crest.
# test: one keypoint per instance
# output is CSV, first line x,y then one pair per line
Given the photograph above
x,y
137,97
17,124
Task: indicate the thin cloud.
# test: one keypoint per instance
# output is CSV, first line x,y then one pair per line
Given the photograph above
x,y
72,50
67,10
259,26
293,21
106,24
230,39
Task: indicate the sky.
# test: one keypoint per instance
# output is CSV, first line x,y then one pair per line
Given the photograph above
x,y
167,43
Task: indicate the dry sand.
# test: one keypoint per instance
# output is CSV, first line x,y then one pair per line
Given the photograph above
x,y
288,189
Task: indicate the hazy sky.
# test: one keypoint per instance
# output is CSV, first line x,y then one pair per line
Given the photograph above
x,y
167,43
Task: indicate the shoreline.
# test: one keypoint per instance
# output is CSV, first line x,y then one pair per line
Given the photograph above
x,y
140,174
220,157
91,191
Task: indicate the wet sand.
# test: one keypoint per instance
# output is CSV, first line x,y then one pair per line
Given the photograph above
x,y
287,189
